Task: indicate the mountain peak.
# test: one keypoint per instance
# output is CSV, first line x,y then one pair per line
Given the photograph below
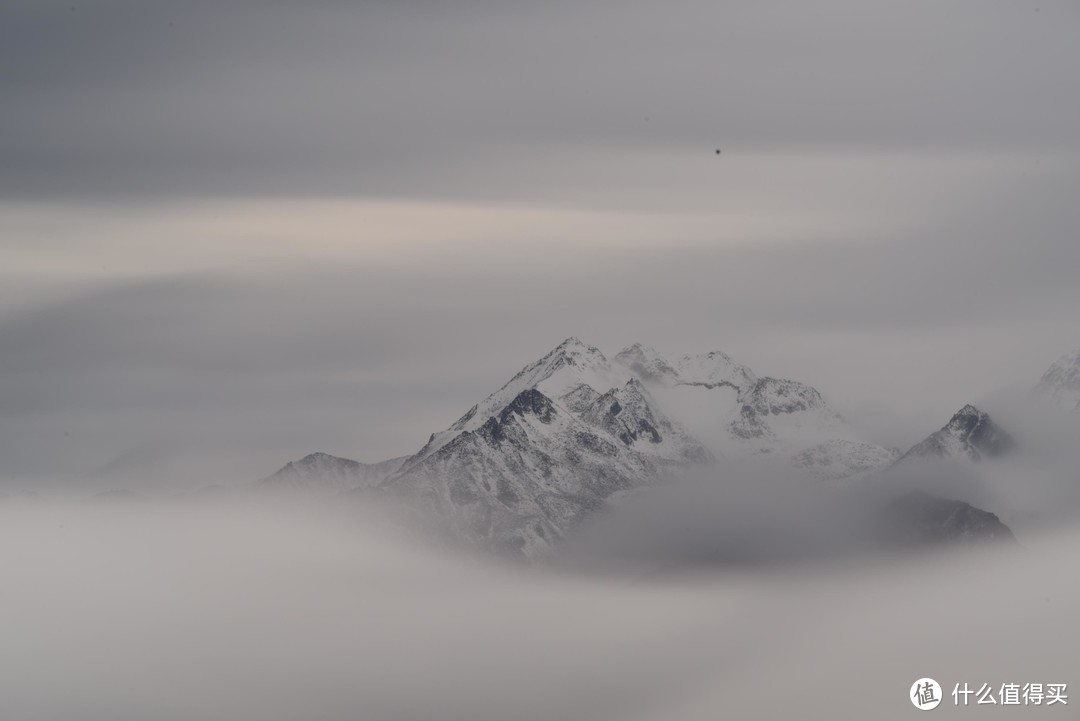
x,y
572,428
321,456
568,365
320,460
840,458
1061,381
330,474
918,518
574,347
967,413
713,369
970,433
646,362
571,353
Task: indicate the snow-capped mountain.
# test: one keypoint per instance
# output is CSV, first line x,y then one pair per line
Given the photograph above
x,y
562,371
323,473
840,459
783,410
523,465
569,430
628,413
732,410
1061,382
711,370
969,434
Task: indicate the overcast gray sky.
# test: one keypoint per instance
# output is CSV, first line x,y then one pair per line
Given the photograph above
x,y
231,234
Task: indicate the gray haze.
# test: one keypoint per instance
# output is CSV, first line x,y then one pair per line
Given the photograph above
x,y
247,614
235,233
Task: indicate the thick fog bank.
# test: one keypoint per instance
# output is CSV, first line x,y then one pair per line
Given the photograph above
x,y
130,611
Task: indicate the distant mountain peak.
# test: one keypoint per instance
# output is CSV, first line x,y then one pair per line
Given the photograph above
x,y
319,457
646,362
918,518
644,359
575,351
1061,381
325,473
839,458
570,429
774,396
713,369
637,349
969,413
567,366
766,401
970,433
570,353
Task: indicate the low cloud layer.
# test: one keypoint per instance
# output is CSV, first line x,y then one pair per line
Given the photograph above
x,y
257,614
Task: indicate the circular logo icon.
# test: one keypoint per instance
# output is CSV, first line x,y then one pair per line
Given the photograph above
x,y
925,694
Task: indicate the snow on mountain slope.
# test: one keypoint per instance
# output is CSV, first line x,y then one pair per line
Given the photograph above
x,y
1061,382
839,459
732,410
324,473
762,416
711,369
521,479
526,463
628,413
970,434
571,364
787,414
647,364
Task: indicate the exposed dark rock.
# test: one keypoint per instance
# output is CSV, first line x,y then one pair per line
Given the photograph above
x,y
530,401
918,518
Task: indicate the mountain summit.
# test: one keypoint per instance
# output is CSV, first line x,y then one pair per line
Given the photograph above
x,y
712,369
324,473
1061,382
568,431
970,434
